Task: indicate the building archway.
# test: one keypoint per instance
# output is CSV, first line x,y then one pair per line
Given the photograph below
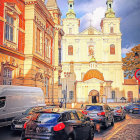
x,y
93,96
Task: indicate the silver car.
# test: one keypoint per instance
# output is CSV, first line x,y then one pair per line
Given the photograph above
x,y
119,112
100,113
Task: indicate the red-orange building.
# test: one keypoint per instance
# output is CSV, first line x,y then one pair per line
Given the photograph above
x,y
12,41
29,39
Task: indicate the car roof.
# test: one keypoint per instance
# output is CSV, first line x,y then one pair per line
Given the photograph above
x,y
55,110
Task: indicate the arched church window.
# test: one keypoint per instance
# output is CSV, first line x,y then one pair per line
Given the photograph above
x,y
110,5
91,50
70,50
112,49
111,30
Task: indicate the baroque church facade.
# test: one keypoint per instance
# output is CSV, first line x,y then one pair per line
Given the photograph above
x,y
91,60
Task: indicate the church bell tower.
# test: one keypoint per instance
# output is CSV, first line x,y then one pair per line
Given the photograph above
x,y
71,23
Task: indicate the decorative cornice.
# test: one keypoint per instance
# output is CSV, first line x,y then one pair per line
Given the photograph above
x,y
9,51
99,62
36,58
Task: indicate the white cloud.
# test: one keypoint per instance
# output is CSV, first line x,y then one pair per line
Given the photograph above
x,y
93,18
127,49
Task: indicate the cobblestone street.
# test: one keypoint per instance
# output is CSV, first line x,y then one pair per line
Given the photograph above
x,y
129,131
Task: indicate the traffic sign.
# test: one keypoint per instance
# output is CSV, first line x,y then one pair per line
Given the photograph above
x,y
137,74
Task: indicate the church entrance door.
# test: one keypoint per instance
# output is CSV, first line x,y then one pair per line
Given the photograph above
x,y
93,96
94,100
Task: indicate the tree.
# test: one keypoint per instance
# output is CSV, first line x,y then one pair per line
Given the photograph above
x,y
131,62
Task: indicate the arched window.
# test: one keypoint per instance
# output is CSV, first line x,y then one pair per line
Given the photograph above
x,y
111,30
90,50
70,50
112,49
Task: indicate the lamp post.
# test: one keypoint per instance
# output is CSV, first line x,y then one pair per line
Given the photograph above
x,y
67,75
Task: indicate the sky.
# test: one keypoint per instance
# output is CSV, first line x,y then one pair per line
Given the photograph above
x,y
94,11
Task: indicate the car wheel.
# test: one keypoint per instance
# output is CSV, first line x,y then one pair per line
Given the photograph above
x,y
70,137
112,123
106,124
91,134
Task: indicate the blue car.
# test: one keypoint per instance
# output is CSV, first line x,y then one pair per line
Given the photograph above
x,y
132,108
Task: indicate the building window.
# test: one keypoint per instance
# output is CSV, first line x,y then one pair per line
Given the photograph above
x,y
112,49
111,30
59,49
91,50
47,47
70,50
71,95
47,86
39,41
7,76
113,94
70,30
9,28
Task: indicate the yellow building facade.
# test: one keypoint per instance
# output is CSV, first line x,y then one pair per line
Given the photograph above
x,y
91,60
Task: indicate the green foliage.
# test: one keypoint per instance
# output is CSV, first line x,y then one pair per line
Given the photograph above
x,y
131,62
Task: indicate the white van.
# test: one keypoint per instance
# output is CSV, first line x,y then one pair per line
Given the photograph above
x,y
16,99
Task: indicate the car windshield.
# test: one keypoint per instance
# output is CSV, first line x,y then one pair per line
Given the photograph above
x,y
2,101
48,117
117,107
95,107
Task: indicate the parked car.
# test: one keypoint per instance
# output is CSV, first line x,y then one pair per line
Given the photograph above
x,y
18,122
119,112
135,108
100,113
58,124
132,107
14,100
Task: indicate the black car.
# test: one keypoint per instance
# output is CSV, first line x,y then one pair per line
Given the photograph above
x,y
100,113
18,122
58,124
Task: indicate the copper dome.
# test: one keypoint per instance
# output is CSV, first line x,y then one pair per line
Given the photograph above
x,y
93,74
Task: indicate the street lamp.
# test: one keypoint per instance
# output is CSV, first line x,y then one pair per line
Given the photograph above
x,y
65,93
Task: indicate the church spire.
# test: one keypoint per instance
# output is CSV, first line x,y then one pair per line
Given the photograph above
x,y
52,4
71,13
109,13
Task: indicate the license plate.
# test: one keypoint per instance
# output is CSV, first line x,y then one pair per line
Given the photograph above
x,y
18,126
92,115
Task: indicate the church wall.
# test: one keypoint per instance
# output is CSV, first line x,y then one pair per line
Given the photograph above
x,y
133,88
